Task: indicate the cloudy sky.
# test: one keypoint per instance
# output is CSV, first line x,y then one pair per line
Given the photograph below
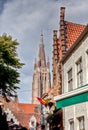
x,y
24,20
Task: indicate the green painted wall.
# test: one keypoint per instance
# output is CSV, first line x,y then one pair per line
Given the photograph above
x,y
72,100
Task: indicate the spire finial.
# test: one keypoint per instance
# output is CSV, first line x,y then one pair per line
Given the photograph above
x,y
41,39
42,32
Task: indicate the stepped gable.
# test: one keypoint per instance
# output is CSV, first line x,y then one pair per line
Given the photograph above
x,y
71,32
23,118
12,105
22,112
68,32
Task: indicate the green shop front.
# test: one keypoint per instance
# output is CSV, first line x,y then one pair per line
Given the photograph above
x,y
77,96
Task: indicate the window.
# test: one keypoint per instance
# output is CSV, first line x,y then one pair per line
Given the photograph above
x,y
81,123
79,73
70,84
71,123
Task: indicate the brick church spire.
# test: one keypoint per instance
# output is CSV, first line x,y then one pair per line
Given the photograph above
x,y
42,59
41,76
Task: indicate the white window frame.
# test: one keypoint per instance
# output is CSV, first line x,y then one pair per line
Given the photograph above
x,y
79,72
70,80
71,124
81,122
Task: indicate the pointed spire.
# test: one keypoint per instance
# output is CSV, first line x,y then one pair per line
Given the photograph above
x,y
42,59
41,39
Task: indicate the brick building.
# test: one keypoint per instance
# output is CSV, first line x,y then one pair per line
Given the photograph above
x,y
20,113
68,34
74,98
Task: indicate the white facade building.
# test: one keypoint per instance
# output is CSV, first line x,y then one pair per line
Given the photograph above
x,y
74,97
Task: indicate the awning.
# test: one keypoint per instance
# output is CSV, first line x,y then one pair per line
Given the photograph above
x,y
80,98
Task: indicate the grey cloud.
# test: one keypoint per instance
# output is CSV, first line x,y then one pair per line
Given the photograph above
x,y
24,20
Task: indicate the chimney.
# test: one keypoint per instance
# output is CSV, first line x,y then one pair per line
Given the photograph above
x,y
62,15
16,98
55,46
62,30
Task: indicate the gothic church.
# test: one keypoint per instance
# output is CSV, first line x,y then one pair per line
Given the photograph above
x,y
41,76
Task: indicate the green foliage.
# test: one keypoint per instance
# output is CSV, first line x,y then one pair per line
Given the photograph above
x,y
9,65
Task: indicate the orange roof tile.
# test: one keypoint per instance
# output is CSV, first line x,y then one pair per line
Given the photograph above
x,y
73,31
21,111
28,108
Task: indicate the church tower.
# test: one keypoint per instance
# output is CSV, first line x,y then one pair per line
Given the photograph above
x,y
41,76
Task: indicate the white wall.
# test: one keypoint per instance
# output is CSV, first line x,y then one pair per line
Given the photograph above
x,y
71,63
81,109
74,112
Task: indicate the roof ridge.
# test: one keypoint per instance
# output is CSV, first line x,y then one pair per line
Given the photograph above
x,y
75,23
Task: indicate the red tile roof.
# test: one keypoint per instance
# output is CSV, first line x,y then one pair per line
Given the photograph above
x,y
73,31
28,108
77,43
22,112
68,34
